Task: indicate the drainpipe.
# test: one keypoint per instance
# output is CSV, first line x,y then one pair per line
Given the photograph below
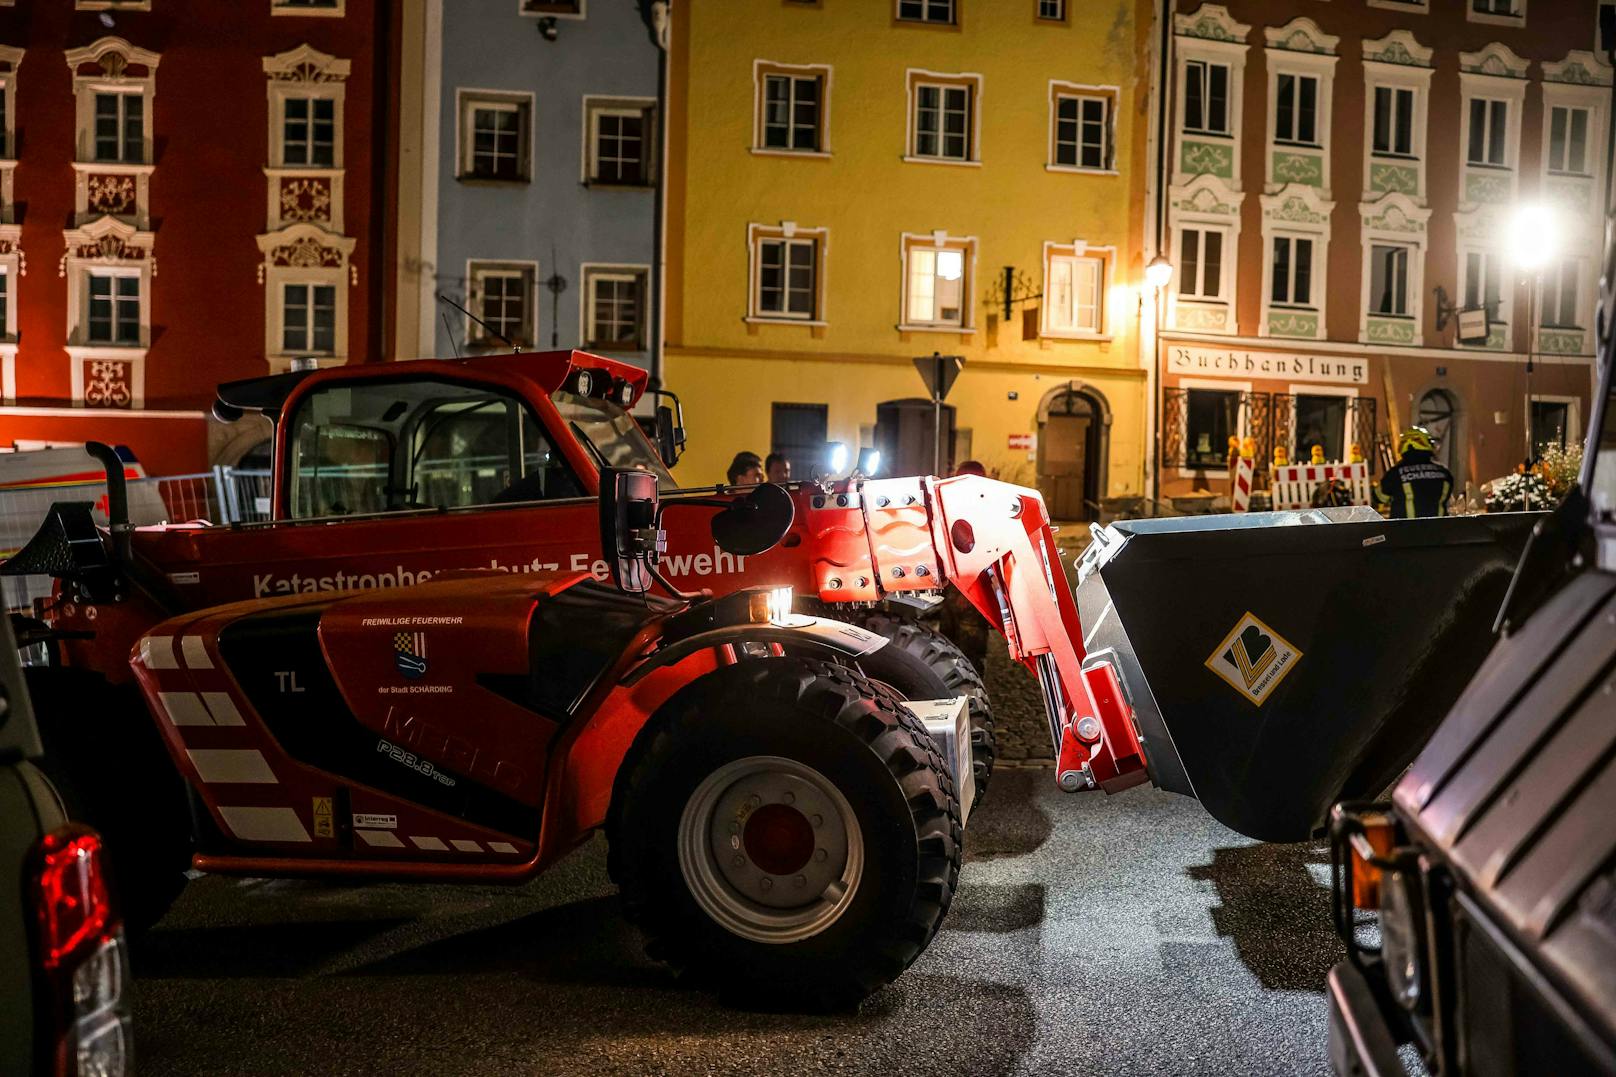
x,y
1156,212
662,29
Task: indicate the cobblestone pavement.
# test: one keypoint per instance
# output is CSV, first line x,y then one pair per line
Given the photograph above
x,y
1018,710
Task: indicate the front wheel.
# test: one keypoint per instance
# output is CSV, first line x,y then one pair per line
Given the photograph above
x,y
783,832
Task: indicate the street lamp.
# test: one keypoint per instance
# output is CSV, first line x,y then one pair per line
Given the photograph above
x,y
1532,240
1159,272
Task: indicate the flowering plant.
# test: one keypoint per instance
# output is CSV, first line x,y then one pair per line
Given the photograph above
x,y
1519,493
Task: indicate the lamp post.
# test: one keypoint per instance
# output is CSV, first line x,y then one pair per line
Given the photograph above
x,y
1158,275
1533,239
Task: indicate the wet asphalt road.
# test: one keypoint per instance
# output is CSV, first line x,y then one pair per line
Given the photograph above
x,y
1099,935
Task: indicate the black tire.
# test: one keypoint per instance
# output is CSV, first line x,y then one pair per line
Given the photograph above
x,y
108,763
832,721
922,663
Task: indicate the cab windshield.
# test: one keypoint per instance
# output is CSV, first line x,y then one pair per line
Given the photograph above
x,y
610,435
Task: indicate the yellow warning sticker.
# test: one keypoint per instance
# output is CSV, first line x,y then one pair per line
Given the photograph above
x,y
1253,658
322,818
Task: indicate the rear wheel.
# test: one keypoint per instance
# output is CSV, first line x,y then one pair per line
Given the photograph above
x,y
922,663
783,832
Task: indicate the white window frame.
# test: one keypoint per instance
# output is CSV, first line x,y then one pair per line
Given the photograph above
x,y
119,248
85,88
1589,139
1512,92
1503,318
1583,312
1226,264
467,100
914,79
1038,10
761,71
304,72
342,276
1573,411
592,272
111,5
756,235
939,241
336,330
1397,77
337,9
597,105
578,10
1108,96
1078,251
1393,219
1319,66
1292,238
1231,53
1279,220
478,270
1242,424
142,304
1516,18
10,61
952,20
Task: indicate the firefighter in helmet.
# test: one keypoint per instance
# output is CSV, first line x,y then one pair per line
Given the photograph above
x,y
1417,485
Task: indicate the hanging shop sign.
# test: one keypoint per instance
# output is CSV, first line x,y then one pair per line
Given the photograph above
x,y
1281,366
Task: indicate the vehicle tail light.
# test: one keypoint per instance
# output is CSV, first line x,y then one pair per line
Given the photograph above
x,y
82,950
1371,845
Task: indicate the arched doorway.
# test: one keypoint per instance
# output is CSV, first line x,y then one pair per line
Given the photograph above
x,y
1438,411
1074,436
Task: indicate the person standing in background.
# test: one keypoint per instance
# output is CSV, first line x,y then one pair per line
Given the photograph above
x,y
776,468
745,470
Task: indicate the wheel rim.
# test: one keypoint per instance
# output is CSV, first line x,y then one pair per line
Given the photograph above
x,y
770,849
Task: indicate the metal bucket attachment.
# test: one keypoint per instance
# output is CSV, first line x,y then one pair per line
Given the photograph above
x,y
1278,662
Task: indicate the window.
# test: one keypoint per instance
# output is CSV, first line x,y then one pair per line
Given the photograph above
x,y
1053,10
5,117
308,132
1388,280
620,143
114,309
552,7
1212,416
1201,256
1568,140
936,291
614,316
936,11
1321,420
387,446
502,296
1394,121
942,122
1493,7
5,301
495,135
1559,302
787,285
1551,423
1082,131
1489,122
309,319
1206,97
1074,288
1293,272
1482,284
120,128
1296,110
791,112
306,7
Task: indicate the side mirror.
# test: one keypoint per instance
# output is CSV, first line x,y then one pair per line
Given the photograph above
x,y
670,426
628,526
755,523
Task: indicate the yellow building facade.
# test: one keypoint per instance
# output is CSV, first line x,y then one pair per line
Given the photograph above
x,y
848,181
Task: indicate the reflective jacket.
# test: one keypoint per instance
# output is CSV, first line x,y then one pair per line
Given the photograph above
x,y
1417,486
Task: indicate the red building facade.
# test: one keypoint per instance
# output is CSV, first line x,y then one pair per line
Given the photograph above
x,y
187,192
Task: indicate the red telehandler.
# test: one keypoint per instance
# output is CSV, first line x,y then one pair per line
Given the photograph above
x,y
780,822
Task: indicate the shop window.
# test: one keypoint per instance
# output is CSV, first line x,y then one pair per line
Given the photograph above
x,y
1212,417
1321,420
1551,424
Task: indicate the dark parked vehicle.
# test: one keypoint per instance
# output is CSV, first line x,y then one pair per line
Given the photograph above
x,y
1493,868
63,968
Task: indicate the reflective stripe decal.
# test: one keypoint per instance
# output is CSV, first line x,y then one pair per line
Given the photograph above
x,y
232,766
184,708
195,652
157,652
264,824
222,708
431,845
502,847
385,839
465,846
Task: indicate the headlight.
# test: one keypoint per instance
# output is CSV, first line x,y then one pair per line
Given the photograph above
x,y
1400,938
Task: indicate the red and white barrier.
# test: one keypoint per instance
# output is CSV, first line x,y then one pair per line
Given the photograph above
x,y
1292,485
1240,497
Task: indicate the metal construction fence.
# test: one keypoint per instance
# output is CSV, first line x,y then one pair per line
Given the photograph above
x,y
221,497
